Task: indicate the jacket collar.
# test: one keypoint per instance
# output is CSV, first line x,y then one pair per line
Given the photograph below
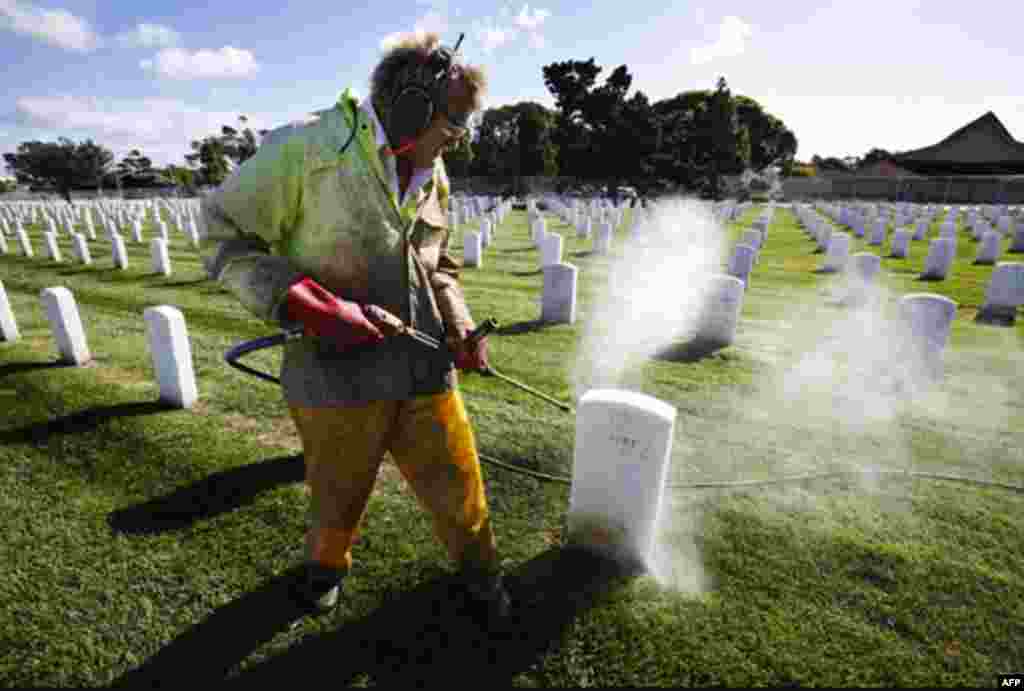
x,y
372,143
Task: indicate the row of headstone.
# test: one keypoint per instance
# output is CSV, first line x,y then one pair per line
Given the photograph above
x,y
160,260
1004,291
113,219
169,345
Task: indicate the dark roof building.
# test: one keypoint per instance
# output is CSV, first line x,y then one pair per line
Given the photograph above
x,y
981,147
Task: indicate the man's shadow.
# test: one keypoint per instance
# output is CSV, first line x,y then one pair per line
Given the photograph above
x,y
426,635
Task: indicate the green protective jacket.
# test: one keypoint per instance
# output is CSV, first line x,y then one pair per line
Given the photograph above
x,y
299,208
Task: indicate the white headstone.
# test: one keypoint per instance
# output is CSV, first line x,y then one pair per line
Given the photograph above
x,y
603,238
823,237
860,279
1004,294
620,469
119,254
24,243
161,260
485,233
3,244
877,233
928,319
172,355
52,249
920,230
939,259
540,231
838,253
1018,239
752,238
900,240
551,250
137,231
472,249
865,266
8,326
558,303
720,313
741,262
81,249
583,229
62,313
988,251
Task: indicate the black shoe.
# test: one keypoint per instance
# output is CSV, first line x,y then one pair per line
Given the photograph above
x,y
319,588
489,602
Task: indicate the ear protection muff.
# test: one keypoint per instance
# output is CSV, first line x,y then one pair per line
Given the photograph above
x,y
414,106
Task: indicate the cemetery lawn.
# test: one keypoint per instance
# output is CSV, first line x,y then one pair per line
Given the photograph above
x,y
143,543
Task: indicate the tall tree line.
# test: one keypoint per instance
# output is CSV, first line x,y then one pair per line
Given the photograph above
x,y
596,132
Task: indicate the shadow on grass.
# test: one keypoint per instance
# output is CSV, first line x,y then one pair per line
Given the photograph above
x,y
180,284
17,367
425,635
924,278
520,249
690,351
535,272
521,327
82,421
582,254
211,496
88,268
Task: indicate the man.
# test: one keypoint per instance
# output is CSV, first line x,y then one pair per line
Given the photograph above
x,y
338,225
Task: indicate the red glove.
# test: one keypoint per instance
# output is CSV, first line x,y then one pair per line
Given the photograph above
x,y
469,356
328,316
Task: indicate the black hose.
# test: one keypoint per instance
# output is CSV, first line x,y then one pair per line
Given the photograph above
x,y
279,339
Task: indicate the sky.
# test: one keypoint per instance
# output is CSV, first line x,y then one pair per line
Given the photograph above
x,y
844,77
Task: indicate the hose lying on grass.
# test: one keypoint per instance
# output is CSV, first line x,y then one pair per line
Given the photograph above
x,y
258,344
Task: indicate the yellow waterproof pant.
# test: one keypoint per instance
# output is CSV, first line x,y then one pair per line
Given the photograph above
x,y
431,441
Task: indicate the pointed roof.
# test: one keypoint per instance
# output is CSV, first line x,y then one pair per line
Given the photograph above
x,y
982,146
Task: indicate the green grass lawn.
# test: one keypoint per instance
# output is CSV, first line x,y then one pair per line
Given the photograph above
x,y
143,543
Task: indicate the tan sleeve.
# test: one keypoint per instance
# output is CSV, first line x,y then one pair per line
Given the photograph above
x,y
448,292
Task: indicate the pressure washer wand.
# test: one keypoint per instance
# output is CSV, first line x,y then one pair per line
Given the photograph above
x,y
484,329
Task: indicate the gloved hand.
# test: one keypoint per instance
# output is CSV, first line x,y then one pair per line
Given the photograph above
x,y
468,356
328,316
385,321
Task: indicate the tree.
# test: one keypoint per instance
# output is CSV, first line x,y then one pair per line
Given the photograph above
x,y
874,156
211,158
726,145
217,155
63,165
570,83
181,178
459,159
240,146
136,170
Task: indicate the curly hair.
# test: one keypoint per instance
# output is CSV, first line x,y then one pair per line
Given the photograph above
x,y
405,62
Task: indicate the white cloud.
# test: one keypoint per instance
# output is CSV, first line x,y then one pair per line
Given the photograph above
x,y
57,27
432,21
435,21
226,63
733,33
161,128
150,36
531,22
491,37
